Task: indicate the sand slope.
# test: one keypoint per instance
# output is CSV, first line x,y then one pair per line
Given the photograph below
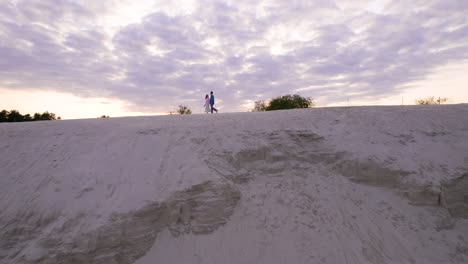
x,y
326,185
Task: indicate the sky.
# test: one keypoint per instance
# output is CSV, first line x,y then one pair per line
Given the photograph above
x,y
87,58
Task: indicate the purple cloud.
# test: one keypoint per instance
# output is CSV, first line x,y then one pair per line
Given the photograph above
x,y
242,50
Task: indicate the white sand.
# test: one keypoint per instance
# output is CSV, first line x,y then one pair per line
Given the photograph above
x,y
327,185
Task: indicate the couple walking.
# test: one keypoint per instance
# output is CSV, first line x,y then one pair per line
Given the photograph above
x,y
209,102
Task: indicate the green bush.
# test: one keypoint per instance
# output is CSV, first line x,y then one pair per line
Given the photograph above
x,y
289,102
183,110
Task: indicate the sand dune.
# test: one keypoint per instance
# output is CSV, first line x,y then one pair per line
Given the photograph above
x,y
327,185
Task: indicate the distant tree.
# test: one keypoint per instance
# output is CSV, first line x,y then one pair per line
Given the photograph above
x,y
37,117
430,100
183,110
48,116
104,116
289,102
15,116
27,117
4,116
259,106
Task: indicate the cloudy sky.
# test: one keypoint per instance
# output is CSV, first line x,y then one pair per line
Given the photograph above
x,y
84,58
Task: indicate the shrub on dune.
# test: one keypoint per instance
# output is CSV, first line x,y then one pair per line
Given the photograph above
x,y
289,102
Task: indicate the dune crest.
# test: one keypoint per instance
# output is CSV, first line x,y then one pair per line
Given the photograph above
x,y
326,185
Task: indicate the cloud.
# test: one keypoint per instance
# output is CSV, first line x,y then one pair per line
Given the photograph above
x,y
242,50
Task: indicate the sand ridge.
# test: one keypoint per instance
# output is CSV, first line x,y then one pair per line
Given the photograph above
x,y
325,185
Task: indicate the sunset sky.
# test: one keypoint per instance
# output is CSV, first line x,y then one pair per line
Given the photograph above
x,y
83,58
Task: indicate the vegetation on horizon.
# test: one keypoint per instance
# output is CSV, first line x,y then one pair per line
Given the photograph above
x,y
430,100
16,116
181,110
104,116
284,102
259,106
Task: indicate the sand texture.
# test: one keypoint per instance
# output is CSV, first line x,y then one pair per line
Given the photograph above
x,y
354,185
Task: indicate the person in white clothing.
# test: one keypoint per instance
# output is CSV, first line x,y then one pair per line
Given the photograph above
x,y
207,104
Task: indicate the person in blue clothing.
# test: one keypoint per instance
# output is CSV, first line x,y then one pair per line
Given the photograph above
x,y
212,103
